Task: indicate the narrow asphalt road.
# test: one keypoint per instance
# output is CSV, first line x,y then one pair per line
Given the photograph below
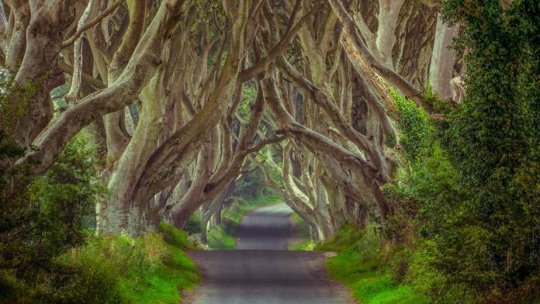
x,y
262,270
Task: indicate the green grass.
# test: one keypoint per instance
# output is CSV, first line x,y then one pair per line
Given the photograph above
x,y
218,239
153,268
360,266
164,283
224,236
306,245
175,272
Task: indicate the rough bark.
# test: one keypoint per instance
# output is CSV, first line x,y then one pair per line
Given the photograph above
x,y
323,74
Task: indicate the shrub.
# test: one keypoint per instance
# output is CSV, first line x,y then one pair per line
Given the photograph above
x,y
148,269
193,224
97,268
175,237
474,179
51,216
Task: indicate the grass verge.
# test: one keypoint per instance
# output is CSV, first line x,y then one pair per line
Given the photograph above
x,y
362,264
306,245
218,239
153,268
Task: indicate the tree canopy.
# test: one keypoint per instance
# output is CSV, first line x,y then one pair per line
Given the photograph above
x,y
388,113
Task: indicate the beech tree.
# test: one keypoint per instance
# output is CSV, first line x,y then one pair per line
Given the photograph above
x,y
161,84
347,119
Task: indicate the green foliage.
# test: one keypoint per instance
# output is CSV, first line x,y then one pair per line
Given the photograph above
x,y
494,139
49,218
471,184
306,245
343,239
208,13
161,270
219,239
176,237
8,153
250,186
362,263
15,98
427,197
427,184
249,95
149,269
48,253
67,194
433,103
417,131
193,224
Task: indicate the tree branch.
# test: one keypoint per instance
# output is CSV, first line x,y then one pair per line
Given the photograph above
x,y
278,49
95,83
265,142
359,54
90,24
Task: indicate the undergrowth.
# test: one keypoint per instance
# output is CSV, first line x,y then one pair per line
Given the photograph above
x,y
365,265
150,269
219,239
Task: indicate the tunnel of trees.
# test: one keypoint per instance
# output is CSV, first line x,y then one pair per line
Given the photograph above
x,y
420,118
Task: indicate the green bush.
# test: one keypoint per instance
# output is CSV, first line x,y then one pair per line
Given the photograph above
x,y
218,239
490,237
48,253
346,236
149,269
51,216
193,224
97,267
175,237
472,181
161,270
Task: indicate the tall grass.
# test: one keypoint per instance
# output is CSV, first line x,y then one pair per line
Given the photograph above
x,y
118,269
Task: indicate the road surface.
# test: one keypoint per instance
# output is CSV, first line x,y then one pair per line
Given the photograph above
x,y
262,271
